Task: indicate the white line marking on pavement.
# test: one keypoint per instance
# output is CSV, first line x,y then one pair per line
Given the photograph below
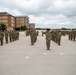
x,y
44,53
61,54
27,57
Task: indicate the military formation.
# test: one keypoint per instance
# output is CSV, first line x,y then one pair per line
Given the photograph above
x,y
9,36
33,35
50,35
72,35
54,35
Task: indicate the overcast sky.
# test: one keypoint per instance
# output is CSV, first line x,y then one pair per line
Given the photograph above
x,y
44,13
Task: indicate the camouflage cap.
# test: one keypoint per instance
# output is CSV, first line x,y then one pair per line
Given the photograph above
x,y
48,29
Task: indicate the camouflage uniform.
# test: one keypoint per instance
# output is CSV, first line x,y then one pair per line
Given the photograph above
x,y
48,39
74,35
6,36
13,35
10,36
58,37
69,35
27,32
1,37
18,35
32,36
36,34
42,33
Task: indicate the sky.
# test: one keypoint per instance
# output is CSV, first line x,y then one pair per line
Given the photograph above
x,y
44,13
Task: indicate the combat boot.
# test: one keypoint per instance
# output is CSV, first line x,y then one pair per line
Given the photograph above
x,y
48,48
32,44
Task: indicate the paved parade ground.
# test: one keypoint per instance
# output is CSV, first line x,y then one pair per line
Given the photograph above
x,y
20,58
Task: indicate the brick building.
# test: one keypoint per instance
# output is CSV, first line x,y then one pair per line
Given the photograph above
x,y
13,21
22,21
31,25
7,19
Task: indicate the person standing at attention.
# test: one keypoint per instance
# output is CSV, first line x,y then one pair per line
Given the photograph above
x,y
48,38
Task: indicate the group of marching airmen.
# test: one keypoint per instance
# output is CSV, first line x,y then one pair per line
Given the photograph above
x,y
54,35
9,36
50,35
72,35
33,35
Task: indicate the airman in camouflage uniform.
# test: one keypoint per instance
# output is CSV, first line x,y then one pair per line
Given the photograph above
x,y
10,36
74,35
32,36
69,35
48,39
1,37
37,33
42,33
13,35
18,35
6,36
27,32
59,37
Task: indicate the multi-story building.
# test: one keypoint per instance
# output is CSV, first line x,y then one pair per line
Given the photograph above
x,y
7,19
22,21
31,25
13,21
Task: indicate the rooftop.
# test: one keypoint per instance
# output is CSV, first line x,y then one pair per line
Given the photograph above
x,y
4,13
21,16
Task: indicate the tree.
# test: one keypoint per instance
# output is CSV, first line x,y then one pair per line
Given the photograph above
x,y
64,28
3,27
23,28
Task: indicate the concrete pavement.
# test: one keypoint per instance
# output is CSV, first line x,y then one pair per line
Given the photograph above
x,y
20,58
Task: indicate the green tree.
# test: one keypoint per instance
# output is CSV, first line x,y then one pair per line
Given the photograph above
x,y
3,27
23,28
64,28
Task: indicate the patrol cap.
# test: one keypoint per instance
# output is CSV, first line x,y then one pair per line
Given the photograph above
x,y
48,29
